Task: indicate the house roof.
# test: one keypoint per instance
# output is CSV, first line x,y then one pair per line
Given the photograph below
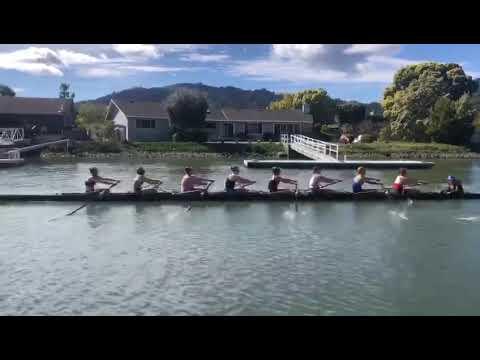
x,y
147,109
277,116
34,106
215,115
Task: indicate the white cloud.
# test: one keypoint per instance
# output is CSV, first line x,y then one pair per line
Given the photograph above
x,y
45,61
372,48
196,57
33,60
149,68
154,50
18,90
298,51
99,72
69,57
125,70
323,63
136,50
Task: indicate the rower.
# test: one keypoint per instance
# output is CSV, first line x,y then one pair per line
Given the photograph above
x,y
140,179
234,178
277,179
361,179
95,178
402,181
316,180
190,182
455,186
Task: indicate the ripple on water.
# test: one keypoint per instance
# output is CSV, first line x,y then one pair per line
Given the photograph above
x,y
236,259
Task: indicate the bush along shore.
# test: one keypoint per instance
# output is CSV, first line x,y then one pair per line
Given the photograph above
x,y
406,150
168,150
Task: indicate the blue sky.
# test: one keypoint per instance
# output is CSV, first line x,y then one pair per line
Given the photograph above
x,y
348,71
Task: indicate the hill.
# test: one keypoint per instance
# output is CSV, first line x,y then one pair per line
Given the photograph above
x,y
217,97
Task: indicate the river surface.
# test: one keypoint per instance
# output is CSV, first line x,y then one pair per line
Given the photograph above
x,y
384,258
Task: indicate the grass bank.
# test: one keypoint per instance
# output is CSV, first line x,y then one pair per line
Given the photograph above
x,y
398,149
92,149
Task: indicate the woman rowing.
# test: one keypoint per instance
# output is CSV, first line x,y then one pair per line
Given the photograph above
x,y
361,179
402,181
277,179
455,186
234,179
140,179
95,179
191,182
317,179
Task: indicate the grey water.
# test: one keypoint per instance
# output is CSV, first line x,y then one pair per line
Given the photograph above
x,y
330,258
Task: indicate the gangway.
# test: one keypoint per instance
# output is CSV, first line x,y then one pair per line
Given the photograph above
x,y
312,148
9,136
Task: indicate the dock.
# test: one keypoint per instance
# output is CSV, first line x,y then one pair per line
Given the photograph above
x,y
346,164
11,162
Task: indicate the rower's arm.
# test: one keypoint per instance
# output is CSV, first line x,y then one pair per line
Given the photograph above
x,y
152,181
328,180
287,181
244,181
372,181
106,181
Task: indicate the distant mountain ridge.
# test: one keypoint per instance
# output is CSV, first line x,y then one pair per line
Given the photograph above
x,y
217,97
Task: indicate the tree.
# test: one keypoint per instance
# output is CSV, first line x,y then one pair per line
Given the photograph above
x,y
91,118
409,101
6,90
351,112
187,109
65,92
451,121
322,107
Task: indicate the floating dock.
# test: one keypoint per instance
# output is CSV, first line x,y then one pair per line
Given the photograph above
x,y
347,164
11,162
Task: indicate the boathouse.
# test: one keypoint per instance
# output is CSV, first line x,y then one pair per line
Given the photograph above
x,y
45,116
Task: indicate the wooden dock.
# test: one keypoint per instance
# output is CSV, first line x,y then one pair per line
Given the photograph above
x,y
347,164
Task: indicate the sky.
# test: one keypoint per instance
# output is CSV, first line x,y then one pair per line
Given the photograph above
x,y
347,71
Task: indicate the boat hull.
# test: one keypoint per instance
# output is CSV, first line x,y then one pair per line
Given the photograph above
x,y
241,196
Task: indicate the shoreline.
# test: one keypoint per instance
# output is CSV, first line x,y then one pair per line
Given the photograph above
x,y
224,156
414,156
150,155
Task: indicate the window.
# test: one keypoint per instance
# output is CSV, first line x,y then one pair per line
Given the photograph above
x,y
211,125
254,128
145,124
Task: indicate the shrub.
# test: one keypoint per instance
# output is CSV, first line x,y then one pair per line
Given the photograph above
x,y
99,147
368,138
268,137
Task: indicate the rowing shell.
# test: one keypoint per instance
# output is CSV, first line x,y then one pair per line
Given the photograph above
x,y
240,196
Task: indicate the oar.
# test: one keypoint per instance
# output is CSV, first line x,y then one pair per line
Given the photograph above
x,y
332,183
100,194
206,188
189,207
296,197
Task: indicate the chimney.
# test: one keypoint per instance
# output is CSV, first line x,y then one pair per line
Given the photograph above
x,y
306,108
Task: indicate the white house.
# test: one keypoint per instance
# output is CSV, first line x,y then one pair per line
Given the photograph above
x,y
149,121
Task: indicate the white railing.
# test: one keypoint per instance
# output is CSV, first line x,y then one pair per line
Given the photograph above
x,y
312,148
11,135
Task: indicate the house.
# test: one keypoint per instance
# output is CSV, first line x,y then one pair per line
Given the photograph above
x,y
46,116
139,121
149,121
257,124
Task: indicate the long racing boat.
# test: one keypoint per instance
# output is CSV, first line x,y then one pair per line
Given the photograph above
x,y
325,195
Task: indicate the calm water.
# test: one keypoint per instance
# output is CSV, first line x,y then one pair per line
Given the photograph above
x,y
236,258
